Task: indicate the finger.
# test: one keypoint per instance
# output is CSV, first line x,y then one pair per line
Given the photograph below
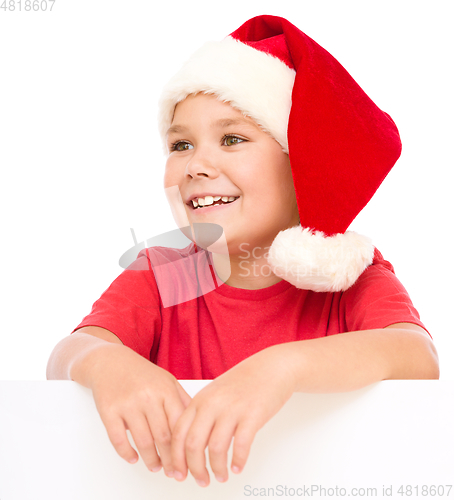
x,y
244,436
116,430
162,436
174,407
177,449
195,444
161,424
145,443
218,447
185,397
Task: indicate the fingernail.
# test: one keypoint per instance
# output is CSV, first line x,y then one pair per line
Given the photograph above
x,y
156,469
236,469
220,479
201,483
133,460
178,475
169,473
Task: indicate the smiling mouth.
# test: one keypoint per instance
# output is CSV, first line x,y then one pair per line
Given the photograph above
x,y
211,201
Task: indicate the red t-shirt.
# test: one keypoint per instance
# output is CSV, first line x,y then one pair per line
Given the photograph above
x,y
209,326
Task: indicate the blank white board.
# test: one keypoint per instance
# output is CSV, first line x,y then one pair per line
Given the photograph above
x,y
374,442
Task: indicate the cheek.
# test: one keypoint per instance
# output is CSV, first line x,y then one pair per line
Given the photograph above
x,y
171,177
285,177
283,190
167,180
279,177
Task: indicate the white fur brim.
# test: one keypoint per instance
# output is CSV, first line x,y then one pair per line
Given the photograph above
x,y
312,261
258,84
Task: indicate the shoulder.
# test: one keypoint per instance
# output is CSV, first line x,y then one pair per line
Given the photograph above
x,y
378,299
379,273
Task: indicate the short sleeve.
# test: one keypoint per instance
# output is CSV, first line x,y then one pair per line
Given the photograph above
x,y
130,308
377,300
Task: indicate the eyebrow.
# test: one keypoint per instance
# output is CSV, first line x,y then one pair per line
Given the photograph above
x,y
221,123
227,122
176,129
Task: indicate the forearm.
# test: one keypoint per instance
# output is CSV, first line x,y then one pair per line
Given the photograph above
x,y
353,360
76,356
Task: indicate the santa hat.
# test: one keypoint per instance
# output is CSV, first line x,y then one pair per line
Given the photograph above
x,y
340,144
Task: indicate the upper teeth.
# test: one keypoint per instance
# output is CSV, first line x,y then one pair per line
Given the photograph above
x,y
209,200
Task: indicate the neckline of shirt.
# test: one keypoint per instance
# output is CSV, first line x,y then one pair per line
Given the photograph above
x,y
258,294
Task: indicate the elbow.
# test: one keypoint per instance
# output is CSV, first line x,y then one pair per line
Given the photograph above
x,y
415,357
57,365
433,365
425,364
51,371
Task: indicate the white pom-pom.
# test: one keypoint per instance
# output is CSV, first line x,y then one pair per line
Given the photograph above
x,y
312,261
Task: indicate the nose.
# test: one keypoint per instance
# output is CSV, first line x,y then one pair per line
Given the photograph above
x,y
201,165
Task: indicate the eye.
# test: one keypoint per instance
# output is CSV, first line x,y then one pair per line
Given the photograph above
x,y
231,140
181,146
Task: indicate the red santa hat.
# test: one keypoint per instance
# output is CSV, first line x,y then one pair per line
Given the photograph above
x,y
340,144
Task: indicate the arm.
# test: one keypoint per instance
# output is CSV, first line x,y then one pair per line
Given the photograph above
x,y
73,352
239,402
353,360
130,392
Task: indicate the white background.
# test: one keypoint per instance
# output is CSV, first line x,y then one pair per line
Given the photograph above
x,y
81,162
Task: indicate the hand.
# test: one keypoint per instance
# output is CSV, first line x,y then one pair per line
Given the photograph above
x,y
235,405
133,393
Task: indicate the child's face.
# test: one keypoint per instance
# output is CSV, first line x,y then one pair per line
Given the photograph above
x,y
214,150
